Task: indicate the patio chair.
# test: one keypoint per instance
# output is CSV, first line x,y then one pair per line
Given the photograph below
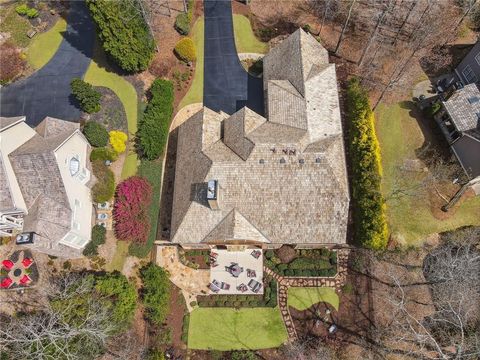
x,y
6,283
213,254
27,262
25,279
8,264
213,288
224,286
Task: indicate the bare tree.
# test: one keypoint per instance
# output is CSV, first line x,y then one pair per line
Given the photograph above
x,y
308,349
51,332
345,25
450,331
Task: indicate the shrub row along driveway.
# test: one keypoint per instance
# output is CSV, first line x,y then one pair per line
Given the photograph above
x,y
227,86
47,92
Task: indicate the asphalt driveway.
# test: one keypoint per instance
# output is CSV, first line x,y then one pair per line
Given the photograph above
x,y
227,86
47,91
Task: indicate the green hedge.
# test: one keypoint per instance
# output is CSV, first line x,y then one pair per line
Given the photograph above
x,y
269,298
153,128
155,292
104,187
369,204
123,32
98,238
103,154
185,326
309,262
96,134
183,20
87,96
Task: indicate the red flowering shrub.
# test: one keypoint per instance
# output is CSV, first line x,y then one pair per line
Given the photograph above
x,y
131,210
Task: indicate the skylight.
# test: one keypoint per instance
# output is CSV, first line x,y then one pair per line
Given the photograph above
x,y
74,166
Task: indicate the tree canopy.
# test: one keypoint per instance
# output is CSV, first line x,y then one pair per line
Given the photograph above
x,y
123,32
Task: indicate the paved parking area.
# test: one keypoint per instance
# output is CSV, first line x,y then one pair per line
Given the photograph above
x,y
252,269
227,86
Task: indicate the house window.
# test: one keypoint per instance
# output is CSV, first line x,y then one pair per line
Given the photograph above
x,y
74,165
477,58
83,175
469,75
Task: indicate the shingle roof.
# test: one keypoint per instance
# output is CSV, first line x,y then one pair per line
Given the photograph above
x,y
467,150
280,181
5,196
37,173
6,122
464,108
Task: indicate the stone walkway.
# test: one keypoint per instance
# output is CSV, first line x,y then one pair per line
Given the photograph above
x,y
192,282
286,282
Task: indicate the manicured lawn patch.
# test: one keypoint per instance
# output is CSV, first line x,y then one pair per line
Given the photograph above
x,y
100,74
245,39
152,171
229,329
409,217
118,259
302,298
44,45
195,93
16,25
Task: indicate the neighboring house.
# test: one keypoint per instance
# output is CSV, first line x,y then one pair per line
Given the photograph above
x,y
44,185
246,180
468,71
459,119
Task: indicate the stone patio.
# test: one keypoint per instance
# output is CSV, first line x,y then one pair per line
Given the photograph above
x,y
246,261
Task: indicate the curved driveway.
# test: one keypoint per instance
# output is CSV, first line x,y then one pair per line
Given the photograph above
x,y
227,86
47,91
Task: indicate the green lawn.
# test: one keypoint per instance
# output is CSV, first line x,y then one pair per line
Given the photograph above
x,y
301,298
195,93
245,39
410,219
14,24
118,259
44,45
99,74
229,329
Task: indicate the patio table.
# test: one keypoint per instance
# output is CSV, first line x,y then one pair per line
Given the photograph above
x,y
236,270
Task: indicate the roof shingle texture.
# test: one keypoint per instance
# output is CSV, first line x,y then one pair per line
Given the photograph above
x,y
281,180
464,108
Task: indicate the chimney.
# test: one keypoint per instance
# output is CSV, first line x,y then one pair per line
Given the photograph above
x,y
212,194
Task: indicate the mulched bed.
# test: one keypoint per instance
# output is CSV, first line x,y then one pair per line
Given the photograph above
x,y
111,114
314,321
45,19
174,322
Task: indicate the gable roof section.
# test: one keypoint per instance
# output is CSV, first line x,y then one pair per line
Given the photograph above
x,y
236,128
234,227
286,105
50,127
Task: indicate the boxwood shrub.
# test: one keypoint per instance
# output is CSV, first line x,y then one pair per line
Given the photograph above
x,y
103,154
98,238
87,96
185,50
96,134
104,187
182,24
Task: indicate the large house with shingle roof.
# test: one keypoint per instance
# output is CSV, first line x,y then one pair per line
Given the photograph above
x,y
44,185
245,179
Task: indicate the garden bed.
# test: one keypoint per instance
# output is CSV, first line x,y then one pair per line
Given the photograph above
x,y
112,114
268,299
196,259
287,261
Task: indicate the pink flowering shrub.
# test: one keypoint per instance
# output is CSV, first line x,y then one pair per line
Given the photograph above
x,y
131,210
